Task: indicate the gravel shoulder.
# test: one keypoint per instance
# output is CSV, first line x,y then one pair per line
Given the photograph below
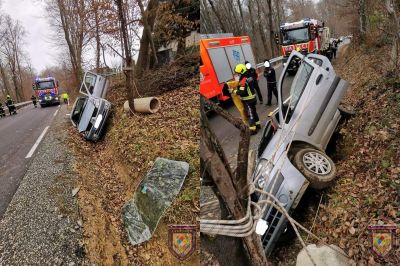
x,y
42,225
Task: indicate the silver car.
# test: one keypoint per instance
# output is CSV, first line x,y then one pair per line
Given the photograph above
x,y
90,111
291,155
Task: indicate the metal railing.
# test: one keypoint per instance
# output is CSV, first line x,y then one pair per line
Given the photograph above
x,y
273,61
23,104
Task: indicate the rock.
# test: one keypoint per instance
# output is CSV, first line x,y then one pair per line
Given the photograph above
x,y
323,255
79,222
75,191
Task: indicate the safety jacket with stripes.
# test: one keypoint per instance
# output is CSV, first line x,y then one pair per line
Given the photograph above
x,y
246,89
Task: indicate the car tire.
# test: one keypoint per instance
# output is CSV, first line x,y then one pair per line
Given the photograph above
x,y
42,105
316,166
346,110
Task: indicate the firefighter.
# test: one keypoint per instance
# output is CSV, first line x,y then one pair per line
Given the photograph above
x,y
33,98
227,90
269,74
10,105
65,97
247,92
334,48
253,73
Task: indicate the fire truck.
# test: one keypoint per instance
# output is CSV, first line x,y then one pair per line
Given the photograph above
x,y
219,54
46,90
305,36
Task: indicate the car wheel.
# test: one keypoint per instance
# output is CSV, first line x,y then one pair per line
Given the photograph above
x,y
42,105
346,110
316,166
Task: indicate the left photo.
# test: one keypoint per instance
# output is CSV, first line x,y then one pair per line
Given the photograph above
x,y
99,132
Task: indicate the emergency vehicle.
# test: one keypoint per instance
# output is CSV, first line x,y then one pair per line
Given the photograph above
x,y
218,58
46,90
305,36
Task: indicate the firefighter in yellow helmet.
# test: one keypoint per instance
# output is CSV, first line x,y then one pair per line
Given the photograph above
x,y
247,93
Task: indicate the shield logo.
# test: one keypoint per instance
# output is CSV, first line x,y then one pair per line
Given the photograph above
x,y
382,239
182,240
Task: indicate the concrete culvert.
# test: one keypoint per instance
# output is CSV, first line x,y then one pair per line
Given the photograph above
x,y
149,105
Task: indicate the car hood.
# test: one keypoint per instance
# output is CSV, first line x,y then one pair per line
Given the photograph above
x,y
277,145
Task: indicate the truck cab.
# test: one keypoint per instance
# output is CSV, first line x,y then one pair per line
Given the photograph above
x,y
46,90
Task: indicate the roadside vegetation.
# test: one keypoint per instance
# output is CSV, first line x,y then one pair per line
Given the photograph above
x,y
111,169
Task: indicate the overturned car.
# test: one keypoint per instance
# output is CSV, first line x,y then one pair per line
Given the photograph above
x,y
90,111
291,154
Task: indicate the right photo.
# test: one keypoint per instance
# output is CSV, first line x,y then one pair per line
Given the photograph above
x,y
299,139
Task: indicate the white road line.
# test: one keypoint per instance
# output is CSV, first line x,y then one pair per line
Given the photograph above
x,y
30,153
55,113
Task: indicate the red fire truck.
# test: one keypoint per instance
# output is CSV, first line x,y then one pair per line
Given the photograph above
x,y
219,56
306,36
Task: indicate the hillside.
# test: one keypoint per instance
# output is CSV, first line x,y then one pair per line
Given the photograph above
x,y
111,169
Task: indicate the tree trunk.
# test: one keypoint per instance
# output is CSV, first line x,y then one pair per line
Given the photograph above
x,y
217,166
391,8
128,71
143,61
363,19
221,24
97,35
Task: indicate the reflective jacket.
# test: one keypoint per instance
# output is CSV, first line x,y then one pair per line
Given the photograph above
x,y
246,89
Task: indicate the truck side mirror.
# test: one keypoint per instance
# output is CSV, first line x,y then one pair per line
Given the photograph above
x,y
276,38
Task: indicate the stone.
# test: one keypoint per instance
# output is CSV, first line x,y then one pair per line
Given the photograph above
x,y
323,255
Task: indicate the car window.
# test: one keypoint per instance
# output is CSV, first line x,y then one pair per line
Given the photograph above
x,y
90,81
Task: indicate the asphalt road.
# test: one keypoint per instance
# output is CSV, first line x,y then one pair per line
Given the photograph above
x,y
229,135
18,134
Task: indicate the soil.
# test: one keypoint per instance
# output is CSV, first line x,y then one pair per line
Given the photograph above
x,y
111,169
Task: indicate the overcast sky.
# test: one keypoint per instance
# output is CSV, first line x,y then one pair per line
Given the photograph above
x,y
31,15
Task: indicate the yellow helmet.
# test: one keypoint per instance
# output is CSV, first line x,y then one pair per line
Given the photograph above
x,y
240,69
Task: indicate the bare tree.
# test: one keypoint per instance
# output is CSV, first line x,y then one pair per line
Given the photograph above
x,y
148,19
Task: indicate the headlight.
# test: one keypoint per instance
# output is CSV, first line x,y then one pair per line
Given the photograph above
x,y
263,170
98,121
56,98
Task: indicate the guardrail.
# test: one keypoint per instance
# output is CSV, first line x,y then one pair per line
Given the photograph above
x,y
273,61
23,104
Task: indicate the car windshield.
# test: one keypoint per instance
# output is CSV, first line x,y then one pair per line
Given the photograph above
x,y
45,85
78,110
295,85
295,36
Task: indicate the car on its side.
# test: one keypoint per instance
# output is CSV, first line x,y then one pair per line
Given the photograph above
x,y
291,154
90,111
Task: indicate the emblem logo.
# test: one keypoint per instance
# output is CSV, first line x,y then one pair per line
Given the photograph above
x,y
382,239
182,240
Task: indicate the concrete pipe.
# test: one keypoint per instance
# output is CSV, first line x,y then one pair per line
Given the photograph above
x,y
149,105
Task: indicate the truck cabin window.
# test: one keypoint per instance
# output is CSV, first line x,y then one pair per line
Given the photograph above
x,y
295,85
295,36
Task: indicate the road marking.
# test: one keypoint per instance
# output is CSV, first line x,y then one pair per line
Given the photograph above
x,y
55,113
30,153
